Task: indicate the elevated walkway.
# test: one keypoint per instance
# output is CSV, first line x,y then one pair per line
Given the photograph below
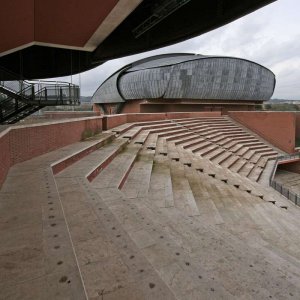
x,y
21,98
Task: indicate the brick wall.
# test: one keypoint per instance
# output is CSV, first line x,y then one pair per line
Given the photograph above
x,y
119,119
21,143
279,128
113,121
5,162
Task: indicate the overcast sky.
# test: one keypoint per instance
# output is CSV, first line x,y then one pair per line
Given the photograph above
x,y
269,36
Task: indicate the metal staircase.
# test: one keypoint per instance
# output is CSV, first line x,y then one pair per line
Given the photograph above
x,y
20,98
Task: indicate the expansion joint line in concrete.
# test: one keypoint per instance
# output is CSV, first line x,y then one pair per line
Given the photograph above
x,y
70,237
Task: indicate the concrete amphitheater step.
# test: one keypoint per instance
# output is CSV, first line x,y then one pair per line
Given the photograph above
x,y
255,158
249,154
160,190
92,164
242,151
201,145
35,241
216,130
137,234
268,153
228,143
131,133
181,136
260,147
199,124
122,128
262,162
251,196
255,189
190,142
127,126
255,173
175,132
204,197
161,147
152,231
220,132
216,153
151,141
122,244
222,158
142,137
92,145
238,165
235,142
139,127
139,175
246,169
236,147
111,264
115,174
182,194
230,161
245,184
207,150
238,144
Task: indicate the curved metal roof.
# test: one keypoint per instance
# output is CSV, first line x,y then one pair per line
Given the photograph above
x,y
190,76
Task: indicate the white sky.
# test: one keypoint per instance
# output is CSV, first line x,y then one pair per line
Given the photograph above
x,y
269,36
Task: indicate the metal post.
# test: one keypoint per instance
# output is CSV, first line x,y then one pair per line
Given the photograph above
x,y
32,92
61,95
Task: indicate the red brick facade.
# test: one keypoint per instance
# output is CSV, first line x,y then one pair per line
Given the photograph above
x,y
279,128
21,143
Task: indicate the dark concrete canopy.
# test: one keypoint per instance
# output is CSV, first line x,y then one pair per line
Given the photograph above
x,y
193,18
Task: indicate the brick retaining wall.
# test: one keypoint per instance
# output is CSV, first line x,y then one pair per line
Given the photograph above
x,y
20,143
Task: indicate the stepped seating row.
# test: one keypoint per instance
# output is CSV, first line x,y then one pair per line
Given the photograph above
x,y
289,180
138,216
218,139
200,198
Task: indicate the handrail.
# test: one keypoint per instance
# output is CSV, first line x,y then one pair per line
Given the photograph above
x,y
279,187
37,91
23,97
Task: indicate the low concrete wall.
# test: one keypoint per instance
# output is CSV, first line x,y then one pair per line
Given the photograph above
x,y
20,143
279,128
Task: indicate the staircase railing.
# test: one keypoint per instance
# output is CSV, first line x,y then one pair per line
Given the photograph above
x,y
22,94
41,91
294,197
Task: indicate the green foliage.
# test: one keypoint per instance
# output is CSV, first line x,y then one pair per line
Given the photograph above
x,y
297,143
81,107
282,107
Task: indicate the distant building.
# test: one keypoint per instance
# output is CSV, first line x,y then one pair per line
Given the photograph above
x,y
185,82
